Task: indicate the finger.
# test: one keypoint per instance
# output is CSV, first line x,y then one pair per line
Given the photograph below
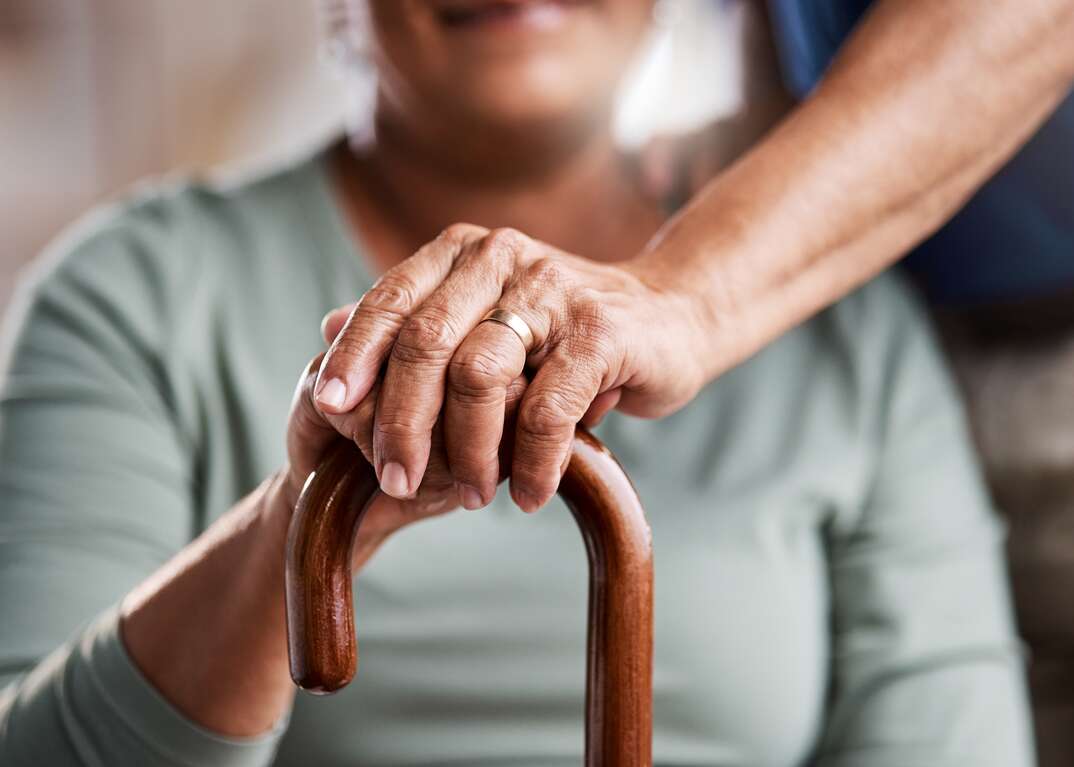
x,y
485,365
357,424
358,351
413,390
438,478
308,433
334,321
515,392
555,401
604,403
490,358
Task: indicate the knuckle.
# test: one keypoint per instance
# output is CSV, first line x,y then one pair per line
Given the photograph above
x,y
461,232
505,243
394,294
347,348
592,316
400,425
549,273
477,373
546,418
516,388
593,328
426,336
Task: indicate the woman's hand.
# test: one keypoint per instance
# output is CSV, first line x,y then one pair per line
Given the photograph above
x,y
310,433
605,335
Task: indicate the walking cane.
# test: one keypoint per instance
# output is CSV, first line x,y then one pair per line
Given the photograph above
x,y
320,613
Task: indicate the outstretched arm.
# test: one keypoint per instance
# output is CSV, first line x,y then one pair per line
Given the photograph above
x,y
924,103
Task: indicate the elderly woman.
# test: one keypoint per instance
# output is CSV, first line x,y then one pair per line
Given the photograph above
x,y
830,583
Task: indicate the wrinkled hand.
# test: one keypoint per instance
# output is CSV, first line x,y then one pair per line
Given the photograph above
x,y
605,335
310,434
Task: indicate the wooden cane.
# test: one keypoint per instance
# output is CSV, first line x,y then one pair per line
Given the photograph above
x,y
320,613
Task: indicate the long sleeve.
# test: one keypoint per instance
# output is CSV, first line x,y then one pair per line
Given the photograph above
x,y
927,666
97,481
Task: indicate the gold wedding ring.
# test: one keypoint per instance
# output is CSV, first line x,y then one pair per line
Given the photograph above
x,y
513,321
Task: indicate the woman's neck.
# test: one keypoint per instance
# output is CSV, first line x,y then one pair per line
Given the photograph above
x,y
401,188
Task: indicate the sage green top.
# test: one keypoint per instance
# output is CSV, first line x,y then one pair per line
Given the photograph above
x,y
829,579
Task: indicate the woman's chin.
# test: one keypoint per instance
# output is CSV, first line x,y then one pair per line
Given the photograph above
x,y
486,64
532,91
547,117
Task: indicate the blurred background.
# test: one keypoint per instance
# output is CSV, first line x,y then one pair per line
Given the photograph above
x,y
98,93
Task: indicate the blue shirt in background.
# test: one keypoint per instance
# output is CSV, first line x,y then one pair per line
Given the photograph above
x,y
1015,238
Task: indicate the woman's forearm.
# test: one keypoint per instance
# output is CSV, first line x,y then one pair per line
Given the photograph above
x,y
924,104
208,629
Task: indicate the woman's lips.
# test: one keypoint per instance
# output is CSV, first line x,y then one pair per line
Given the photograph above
x,y
541,14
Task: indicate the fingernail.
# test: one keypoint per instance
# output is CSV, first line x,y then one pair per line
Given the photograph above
x,y
393,480
471,499
525,501
332,394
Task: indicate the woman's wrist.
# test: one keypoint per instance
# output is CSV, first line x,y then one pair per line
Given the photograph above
x,y
210,622
281,493
690,266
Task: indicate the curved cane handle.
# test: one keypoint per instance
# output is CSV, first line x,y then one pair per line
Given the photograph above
x,y
320,614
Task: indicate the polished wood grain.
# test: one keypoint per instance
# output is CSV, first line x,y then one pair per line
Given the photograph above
x,y
320,615
320,608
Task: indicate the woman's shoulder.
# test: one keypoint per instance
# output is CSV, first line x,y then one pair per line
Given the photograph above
x,y
180,223
166,286
165,244
160,268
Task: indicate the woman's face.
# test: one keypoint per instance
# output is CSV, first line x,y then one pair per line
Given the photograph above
x,y
506,62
